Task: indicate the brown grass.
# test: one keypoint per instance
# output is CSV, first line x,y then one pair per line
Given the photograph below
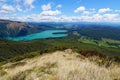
x,y
61,65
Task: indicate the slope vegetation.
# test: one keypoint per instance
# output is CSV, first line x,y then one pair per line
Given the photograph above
x,y
61,65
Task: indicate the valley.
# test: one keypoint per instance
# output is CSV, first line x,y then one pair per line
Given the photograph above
x,y
88,44
59,40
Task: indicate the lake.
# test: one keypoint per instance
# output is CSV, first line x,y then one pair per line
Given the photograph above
x,y
40,35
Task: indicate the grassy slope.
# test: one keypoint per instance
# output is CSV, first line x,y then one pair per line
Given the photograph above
x,y
11,49
61,65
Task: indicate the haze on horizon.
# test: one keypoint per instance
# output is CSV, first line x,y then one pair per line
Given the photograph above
x,y
60,10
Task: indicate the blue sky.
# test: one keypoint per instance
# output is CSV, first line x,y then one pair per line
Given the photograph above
x,y
61,10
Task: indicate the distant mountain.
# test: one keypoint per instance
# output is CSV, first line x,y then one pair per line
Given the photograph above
x,y
15,28
93,30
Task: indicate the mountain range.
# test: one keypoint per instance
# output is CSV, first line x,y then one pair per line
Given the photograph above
x,y
10,28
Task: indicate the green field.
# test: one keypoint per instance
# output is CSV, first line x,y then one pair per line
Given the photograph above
x,y
104,42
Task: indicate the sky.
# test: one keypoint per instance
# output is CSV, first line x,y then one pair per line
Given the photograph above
x,y
60,10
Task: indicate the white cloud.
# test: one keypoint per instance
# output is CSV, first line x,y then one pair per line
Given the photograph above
x,y
18,7
46,7
7,9
29,3
87,12
24,5
83,10
44,18
50,12
59,6
3,12
80,9
111,17
105,18
3,0
117,10
17,0
47,10
103,10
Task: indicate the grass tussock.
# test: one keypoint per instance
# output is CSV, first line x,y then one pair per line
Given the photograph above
x,y
13,65
62,65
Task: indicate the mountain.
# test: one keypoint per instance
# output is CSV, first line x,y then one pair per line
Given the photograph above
x,y
75,57
15,28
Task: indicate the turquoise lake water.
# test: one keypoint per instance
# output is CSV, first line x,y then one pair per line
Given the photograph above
x,y
41,35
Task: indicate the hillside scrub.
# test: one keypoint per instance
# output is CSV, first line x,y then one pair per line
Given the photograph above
x,y
61,65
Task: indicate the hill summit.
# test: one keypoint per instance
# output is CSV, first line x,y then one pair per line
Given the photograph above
x,y
61,65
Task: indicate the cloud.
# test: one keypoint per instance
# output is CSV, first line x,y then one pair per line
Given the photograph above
x,y
83,10
50,12
87,12
102,18
3,0
53,13
110,17
17,0
7,9
80,9
59,6
117,10
46,7
29,3
47,10
18,7
24,5
85,18
103,10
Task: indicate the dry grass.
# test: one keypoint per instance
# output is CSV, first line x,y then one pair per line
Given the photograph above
x,y
60,65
